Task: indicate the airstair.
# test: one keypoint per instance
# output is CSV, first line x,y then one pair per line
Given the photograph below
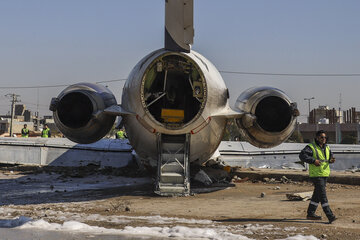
x,y
173,170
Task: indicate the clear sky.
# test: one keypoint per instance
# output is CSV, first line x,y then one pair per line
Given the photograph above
x,y
46,42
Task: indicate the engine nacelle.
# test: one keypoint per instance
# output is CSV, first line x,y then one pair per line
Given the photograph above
x,y
269,116
78,112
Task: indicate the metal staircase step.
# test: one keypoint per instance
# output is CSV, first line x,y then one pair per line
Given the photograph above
x,y
173,147
171,157
172,167
171,190
171,177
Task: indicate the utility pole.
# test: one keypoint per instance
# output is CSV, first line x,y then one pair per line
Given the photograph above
x,y
36,125
340,120
309,99
14,99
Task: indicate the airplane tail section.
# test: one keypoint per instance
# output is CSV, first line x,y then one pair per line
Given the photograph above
x,y
179,25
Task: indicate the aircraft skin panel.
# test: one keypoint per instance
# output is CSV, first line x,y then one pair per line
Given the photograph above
x,y
228,113
117,110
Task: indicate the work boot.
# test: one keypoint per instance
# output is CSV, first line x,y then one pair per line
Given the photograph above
x,y
332,218
329,214
313,216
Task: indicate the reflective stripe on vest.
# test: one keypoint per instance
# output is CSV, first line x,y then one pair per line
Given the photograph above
x,y
323,170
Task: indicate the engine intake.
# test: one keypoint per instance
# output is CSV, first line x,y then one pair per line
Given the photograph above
x,y
269,116
78,112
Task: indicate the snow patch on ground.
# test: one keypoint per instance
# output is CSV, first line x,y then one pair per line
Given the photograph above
x,y
176,231
212,232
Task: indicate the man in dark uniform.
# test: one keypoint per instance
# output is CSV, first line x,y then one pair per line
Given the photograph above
x,y
318,156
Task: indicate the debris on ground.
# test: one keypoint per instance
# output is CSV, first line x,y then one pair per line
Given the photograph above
x,y
284,179
237,179
202,177
269,180
217,175
303,196
353,170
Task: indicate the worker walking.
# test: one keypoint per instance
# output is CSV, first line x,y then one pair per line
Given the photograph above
x,y
46,132
25,131
318,155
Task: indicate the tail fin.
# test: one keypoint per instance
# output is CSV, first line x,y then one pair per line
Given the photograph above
x,y
179,25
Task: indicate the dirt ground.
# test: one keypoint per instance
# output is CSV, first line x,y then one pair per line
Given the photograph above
x,y
240,204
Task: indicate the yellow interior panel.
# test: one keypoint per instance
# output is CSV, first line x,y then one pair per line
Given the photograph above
x,y
172,115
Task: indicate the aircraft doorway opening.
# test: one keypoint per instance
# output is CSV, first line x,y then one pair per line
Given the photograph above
x,y
173,90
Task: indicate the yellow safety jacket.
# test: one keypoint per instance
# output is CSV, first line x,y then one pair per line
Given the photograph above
x,y
45,133
120,134
323,170
25,132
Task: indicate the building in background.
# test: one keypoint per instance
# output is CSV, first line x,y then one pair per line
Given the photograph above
x,y
341,126
324,113
17,126
23,116
20,109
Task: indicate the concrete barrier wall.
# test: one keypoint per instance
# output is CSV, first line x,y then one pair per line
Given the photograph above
x,y
284,156
118,153
63,152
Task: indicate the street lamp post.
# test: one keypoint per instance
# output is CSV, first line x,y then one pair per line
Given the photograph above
x,y
309,99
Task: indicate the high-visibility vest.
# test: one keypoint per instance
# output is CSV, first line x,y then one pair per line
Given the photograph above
x,y
120,134
323,170
24,132
45,133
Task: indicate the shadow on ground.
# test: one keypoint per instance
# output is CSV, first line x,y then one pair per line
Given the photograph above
x,y
268,220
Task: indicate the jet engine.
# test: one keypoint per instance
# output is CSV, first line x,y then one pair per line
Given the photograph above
x,y
269,116
79,112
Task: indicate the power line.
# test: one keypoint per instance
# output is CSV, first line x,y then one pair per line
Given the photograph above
x,y
26,87
222,71
295,74
116,80
55,86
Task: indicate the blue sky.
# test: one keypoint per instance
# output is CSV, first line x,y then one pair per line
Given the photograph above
x,y
46,42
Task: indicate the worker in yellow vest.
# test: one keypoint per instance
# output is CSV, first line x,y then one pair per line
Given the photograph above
x,y
46,132
25,131
318,155
121,134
